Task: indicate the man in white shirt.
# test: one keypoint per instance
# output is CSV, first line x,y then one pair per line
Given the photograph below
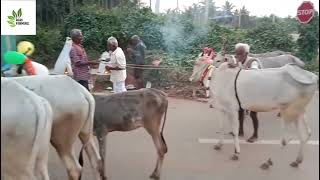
x,y
116,65
245,62
242,52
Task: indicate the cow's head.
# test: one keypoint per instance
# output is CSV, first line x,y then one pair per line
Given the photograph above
x,y
219,59
199,67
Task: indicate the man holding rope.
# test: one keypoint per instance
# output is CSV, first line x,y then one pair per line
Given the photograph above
x,y
79,60
117,66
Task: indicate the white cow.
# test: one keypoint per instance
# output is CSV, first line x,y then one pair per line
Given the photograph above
x,y
73,111
26,120
202,73
288,88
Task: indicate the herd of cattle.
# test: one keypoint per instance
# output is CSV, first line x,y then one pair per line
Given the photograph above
x,y
39,110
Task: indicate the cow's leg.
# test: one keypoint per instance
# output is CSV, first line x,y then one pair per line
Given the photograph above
x,y
161,150
91,150
304,134
102,139
285,122
65,150
207,87
153,129
221,118
255,123
207,92
210,101
42,167
235,130
285,136
194,92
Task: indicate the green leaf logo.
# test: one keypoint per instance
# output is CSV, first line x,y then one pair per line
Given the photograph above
x,y
19,13
12,19
14,14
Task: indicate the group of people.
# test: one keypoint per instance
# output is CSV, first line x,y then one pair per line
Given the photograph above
x,y
116,66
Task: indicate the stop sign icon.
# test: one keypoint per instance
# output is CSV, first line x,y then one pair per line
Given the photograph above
x,y
305,12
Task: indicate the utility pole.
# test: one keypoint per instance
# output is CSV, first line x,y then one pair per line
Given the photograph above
x,y
157,8
177,4
206,14
240,14
273,18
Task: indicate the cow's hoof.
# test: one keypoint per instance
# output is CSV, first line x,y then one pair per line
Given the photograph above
x,y
217,147
154,176
270,162
283,142
265,166
211,106
252,139
294,164
235,157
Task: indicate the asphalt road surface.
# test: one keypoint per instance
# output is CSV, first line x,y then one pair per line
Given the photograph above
x,y
190,133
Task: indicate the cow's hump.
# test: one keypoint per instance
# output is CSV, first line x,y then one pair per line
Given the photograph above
x,y
300,75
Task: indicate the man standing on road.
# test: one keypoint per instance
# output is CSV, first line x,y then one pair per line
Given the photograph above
x,y
138,56
242,52
117,66
79,60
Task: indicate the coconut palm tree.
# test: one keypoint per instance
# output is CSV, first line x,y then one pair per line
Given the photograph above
x,y
228,7
244,17
244,11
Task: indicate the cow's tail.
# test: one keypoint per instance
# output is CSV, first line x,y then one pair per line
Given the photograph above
x,y
88,125
162,128
298,61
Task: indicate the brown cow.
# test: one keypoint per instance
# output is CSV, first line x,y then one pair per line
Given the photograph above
x,y
128,111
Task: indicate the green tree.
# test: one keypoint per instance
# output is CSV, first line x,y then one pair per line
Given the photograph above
x,y
228,7
308,42
269,37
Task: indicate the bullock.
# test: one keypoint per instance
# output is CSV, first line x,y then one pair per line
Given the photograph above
x,y
203,75
268,54
265,60
73,110
26,120
128,111
288,88
205,70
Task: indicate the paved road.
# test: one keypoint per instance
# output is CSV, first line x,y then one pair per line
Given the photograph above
x,y
132,155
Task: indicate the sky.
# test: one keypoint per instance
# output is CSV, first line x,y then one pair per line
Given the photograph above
x,y
281,8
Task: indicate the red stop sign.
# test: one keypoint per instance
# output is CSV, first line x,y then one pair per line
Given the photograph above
x,y
305,12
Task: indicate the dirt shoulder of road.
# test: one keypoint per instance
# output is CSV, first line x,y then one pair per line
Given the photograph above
x,y
178,90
